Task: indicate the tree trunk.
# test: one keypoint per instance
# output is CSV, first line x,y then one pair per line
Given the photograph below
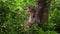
x,y
42,7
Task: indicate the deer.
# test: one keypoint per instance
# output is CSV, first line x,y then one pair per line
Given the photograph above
x,y
32,19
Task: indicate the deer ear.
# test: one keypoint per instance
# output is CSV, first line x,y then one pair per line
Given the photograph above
x,y
27,9
33,10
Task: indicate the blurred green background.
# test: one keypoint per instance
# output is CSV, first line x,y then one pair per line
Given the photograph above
x,y
12,16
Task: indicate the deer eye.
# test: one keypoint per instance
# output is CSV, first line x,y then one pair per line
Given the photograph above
x,y
33,16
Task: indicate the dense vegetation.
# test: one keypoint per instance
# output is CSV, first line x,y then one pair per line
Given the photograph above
x,y
12,16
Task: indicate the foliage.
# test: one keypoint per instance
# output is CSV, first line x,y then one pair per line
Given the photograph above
x,y
12,16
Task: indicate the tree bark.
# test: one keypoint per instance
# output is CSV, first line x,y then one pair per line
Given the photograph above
x,y
42,7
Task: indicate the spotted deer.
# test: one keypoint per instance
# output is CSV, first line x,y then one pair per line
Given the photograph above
x,y
33,18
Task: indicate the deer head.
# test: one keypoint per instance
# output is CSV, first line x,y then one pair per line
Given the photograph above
x,y
32,18
32,14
